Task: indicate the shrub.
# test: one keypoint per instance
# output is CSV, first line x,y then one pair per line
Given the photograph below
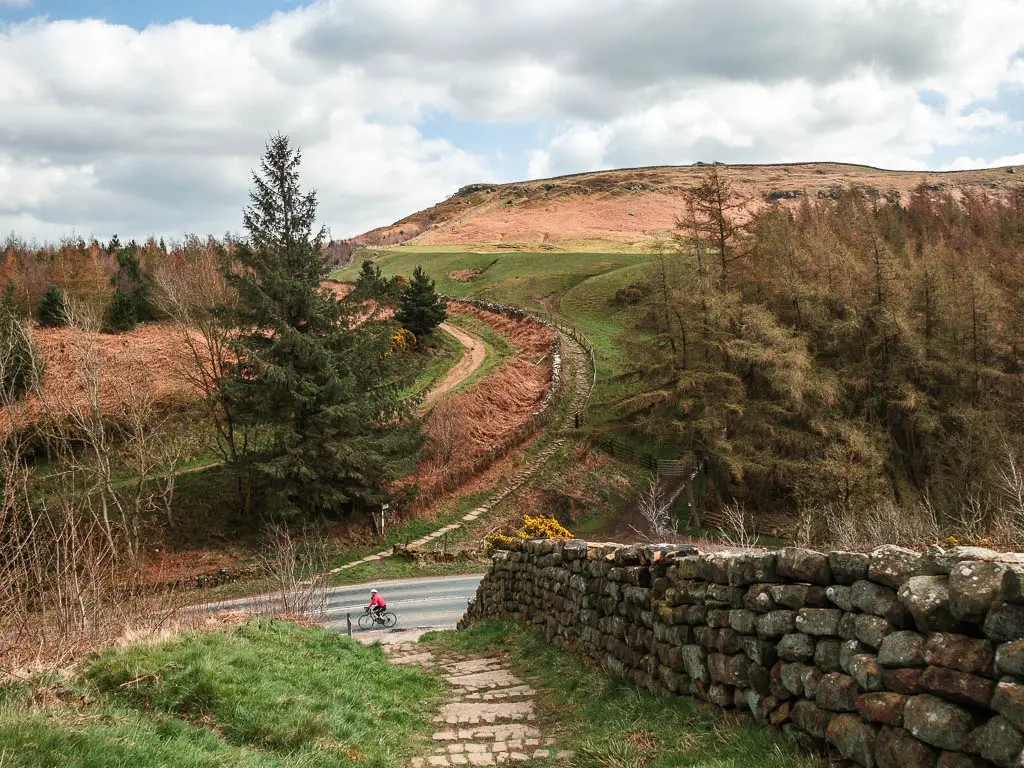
x,y
538,527
53,311
121,316
633,293
20,365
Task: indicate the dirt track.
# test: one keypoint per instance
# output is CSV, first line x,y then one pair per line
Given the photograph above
x,y
471,359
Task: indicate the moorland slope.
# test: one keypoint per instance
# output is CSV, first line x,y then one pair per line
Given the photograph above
x,y
630,209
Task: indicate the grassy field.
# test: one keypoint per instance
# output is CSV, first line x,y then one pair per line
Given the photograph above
x,y
265,693
610,723
517,278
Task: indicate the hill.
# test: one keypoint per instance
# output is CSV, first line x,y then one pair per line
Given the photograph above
x,y
628,209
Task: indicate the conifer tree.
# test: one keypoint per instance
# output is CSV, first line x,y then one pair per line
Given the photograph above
x,y
421,310
52,312
21,367
369,283
308,370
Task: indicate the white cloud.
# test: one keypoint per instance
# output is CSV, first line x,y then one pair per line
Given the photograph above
x,y
106,128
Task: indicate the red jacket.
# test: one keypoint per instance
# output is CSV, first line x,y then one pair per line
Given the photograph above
x,y
376,600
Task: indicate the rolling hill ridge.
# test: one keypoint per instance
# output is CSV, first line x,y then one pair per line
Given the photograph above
x,y
630,209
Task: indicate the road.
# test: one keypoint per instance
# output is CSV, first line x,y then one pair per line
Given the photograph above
x,y
433,602
436,602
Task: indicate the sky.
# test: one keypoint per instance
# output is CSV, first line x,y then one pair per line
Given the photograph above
x,y
145,117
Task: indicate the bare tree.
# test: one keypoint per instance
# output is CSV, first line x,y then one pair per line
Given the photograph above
x,y
738,526
284,560
190,291
656,508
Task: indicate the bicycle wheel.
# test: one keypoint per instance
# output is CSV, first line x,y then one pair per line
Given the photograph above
x,y
366,621
388,619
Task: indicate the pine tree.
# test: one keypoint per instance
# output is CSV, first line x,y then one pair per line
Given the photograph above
x,y
53,311
421,310
307,370
120,316
369,283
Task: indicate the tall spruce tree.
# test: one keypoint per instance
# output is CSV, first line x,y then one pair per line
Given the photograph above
x,y
421,310
308,372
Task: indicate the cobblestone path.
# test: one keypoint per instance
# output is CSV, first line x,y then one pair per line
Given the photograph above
x,y
490,718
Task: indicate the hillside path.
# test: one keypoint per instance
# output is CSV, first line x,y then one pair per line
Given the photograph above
x,y
571,349
471,359
490,717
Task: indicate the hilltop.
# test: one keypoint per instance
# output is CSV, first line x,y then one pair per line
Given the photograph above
x,y
628,209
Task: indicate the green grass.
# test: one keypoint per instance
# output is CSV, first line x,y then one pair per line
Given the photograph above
x,y
401,568
265,693
611,723
519,278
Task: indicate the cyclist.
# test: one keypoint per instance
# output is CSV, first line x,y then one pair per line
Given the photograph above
x,y
377,604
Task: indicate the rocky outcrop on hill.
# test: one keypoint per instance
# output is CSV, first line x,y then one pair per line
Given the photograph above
x,y
886,659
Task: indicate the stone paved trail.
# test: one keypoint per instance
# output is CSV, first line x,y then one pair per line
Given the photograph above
x,y
490,718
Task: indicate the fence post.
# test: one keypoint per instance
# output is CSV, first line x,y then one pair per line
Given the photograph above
x,y
348,621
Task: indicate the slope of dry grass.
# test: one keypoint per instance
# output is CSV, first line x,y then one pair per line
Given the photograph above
x,y
630,208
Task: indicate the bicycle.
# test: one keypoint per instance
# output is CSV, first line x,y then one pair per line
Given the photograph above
x,y
369,619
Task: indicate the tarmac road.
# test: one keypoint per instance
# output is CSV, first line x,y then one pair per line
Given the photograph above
x,y
436,602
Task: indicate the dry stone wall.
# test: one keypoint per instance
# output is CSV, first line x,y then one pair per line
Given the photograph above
x,y
889,659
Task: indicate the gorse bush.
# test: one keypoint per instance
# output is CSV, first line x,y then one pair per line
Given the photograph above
x,y
533,527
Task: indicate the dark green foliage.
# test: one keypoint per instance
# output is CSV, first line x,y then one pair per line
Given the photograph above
x,y
369,283
134,282
20,365
130,303
121,316
421,310
309,370
52,312
114,245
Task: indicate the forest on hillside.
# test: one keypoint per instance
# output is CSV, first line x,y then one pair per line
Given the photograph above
x,y
857,361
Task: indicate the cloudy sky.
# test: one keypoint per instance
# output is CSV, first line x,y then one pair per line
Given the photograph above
x,y
145,116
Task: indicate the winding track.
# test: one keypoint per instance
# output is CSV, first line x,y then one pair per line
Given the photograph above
x,y
571,349
472,358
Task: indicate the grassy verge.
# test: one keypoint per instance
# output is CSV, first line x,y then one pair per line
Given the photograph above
x,y
613,724
265,693
401,568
